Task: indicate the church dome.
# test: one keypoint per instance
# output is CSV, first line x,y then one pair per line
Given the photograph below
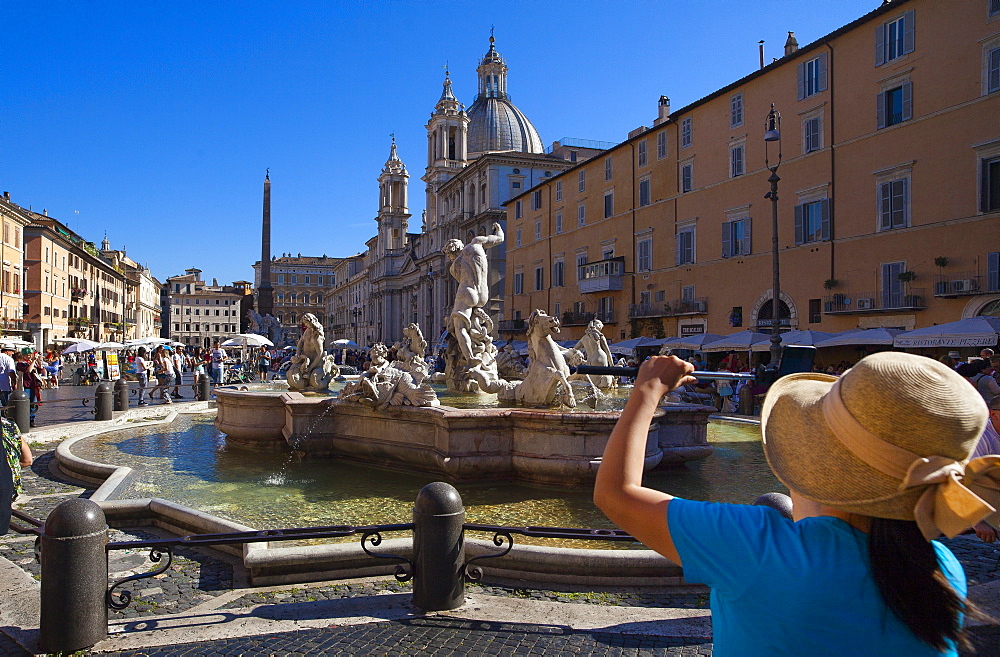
x,y
495,123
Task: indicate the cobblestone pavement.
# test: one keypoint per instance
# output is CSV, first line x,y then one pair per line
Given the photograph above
x,y
197,577
438,636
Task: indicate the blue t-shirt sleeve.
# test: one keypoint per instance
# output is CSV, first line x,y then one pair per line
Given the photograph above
x,y
721,545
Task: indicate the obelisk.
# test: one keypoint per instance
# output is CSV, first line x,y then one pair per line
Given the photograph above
x,y
265,293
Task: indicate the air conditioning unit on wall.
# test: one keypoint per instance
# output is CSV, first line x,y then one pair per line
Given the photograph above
x,y
866,304
964,285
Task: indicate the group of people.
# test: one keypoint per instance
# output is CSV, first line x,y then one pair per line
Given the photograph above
x,y
165,365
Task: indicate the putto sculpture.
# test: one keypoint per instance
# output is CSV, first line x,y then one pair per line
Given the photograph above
x,y
311,368
383,385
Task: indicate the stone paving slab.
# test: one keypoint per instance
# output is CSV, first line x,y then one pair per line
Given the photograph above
x,y
438,636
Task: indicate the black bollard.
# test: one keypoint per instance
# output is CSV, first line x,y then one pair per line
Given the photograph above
x,y
20,403
438,548
121,394
74,614
777,501
103,401
204,387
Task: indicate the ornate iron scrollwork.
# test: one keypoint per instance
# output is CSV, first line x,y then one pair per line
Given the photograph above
x,y
124,598
475,573
402,573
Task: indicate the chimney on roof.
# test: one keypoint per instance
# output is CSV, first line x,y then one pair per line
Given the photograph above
x,y
45,211
791,45
6,196
663,110
215,282
760,49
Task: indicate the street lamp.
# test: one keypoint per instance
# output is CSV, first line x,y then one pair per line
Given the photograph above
x,y
772,133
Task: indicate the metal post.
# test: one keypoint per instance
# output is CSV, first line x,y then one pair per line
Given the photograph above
x,y
204,387
438,548
74,614
776,283
777,501
103,401
121,394
20,404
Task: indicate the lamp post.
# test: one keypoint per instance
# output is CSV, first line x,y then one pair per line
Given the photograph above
x,y
773,134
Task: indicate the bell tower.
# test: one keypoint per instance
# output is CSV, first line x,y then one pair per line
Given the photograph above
x,y
393,216
447,146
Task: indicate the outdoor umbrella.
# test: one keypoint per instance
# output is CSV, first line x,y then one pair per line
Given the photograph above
x,y
345,343
969,332
108,346
81,346
694,342
805,338
745,340
248,340
627,347
143,342
874,336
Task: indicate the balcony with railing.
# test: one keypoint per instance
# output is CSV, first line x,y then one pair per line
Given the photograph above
x,y
513,325
78,293
874,302
570,318
675,308
601,276
965,284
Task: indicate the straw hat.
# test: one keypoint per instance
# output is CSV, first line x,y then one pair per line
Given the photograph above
x,y
874,441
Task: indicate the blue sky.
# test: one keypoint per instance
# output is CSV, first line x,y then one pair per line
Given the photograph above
x,y
155,121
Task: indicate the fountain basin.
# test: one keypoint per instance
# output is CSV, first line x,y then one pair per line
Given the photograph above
x,y
538,446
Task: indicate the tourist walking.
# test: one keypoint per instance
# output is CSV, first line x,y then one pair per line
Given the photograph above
x,y
31,380
141,374
8,374
163,370
218,358
263,364
177,359
876,462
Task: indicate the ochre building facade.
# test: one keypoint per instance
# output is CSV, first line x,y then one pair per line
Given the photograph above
x,y
889,194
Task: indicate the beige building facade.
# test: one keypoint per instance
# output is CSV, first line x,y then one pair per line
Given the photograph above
x,y
198,313
299,283
888,204
12,258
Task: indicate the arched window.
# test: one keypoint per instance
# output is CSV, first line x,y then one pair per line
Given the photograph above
x,y
293,318
293,298
992,309
764,316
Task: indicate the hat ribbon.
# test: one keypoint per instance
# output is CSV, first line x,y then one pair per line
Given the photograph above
x,y
957,496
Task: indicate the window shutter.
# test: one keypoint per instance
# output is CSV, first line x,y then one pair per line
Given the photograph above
x,y
880,45
679,249
825,220
799,230
993,271
880,111
984,185
908,31
802,80
746,237
727,239
884,199
994,72
821,76
904,192
907,101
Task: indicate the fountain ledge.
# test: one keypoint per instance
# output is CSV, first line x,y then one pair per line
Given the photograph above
x,y
539,446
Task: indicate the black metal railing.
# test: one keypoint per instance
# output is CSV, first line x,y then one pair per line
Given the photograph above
x,y
865,302
965,284
697,306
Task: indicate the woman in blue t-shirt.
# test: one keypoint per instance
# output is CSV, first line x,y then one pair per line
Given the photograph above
x,y
876,464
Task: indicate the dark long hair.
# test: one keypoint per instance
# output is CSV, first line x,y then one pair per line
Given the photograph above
x,y
906,570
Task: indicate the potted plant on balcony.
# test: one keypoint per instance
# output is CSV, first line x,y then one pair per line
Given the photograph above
x,y
941,287
907,276
830,283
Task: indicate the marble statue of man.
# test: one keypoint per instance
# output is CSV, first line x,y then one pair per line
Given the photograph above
x,y
469,267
